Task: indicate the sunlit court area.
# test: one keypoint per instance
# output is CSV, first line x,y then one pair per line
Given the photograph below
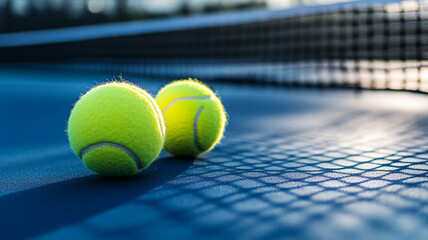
x,y
214,119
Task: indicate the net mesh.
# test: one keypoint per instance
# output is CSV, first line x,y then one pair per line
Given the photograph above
x,y
362,44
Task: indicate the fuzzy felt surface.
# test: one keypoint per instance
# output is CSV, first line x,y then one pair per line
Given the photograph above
x,y
120,113
194,116
110,161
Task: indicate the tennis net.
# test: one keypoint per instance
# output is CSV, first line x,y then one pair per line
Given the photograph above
x,y
375,44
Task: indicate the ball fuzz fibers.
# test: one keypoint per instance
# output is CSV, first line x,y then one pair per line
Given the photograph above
x,y
116,129
194,117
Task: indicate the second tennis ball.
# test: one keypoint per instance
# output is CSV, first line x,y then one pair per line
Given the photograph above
x,y
194,117
116,129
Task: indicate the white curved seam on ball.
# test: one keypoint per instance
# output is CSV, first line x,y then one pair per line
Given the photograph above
x,y
195,129
184,98
159,120
115,145
161,127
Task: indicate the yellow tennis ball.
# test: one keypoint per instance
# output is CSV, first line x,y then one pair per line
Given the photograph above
x,y
117,129
194,117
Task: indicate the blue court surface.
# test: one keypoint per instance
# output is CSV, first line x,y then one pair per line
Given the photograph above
x,y
295,163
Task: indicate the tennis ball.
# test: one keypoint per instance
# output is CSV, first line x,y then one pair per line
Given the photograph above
x,y
117,129
194,117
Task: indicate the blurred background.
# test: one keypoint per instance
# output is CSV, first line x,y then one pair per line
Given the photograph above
x,y
23,15
375,44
